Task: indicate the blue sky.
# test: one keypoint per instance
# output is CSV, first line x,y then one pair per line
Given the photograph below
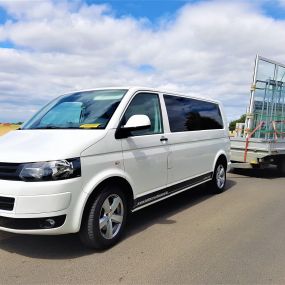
x,y
157,9
152,9
3,16
205,48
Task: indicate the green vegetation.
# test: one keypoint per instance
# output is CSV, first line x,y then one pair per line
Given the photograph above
x,y
232,125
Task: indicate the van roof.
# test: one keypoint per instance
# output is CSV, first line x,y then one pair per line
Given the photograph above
x,y
144,88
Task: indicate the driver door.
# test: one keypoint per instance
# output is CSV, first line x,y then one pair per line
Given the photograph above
x,y
145,155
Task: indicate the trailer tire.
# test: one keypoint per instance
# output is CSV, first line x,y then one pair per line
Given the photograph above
x,y
281,167
255,166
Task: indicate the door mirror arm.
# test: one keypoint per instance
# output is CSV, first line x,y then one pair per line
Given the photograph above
x,y
123,132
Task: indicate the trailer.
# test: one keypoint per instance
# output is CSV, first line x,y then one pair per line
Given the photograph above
x,y
260,141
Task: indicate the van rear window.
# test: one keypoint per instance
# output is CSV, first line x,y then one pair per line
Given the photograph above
x,y
187,114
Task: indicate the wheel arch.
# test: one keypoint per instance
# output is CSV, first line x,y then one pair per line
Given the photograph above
x,y
114,180
221,156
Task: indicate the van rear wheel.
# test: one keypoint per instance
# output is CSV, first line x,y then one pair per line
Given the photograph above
x,y
105,221
219,178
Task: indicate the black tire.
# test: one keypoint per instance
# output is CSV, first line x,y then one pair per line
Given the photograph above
x,y
255,166
216,186
90,233
281,167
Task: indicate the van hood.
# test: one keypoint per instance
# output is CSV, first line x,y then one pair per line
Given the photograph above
x,y
45,145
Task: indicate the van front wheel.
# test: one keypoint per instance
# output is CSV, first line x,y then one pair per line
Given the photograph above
x,y
218,182
105,221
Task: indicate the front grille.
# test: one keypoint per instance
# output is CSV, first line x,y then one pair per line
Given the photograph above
x,y
9,171
7,203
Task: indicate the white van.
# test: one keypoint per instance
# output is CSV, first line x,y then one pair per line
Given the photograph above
x,y
88,158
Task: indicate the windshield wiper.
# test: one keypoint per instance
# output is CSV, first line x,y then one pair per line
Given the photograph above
x,y
53,128
48,127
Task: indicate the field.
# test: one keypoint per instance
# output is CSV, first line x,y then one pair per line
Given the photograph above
x,y
5,128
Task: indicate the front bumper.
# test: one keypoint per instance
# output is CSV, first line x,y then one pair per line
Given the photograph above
x,y
32,223
34,205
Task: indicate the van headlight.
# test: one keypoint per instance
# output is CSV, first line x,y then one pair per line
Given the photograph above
x,y
51,170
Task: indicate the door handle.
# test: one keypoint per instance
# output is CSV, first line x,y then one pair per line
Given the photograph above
x,y
163,139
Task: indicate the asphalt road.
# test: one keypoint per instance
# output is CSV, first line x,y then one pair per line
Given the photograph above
x,y
235,237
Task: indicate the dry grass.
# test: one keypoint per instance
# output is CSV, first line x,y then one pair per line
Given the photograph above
x,y
4,128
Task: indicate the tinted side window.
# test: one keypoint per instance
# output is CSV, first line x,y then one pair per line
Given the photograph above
x,y
186,114
145,104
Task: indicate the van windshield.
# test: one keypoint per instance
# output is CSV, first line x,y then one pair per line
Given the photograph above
x,y
81,110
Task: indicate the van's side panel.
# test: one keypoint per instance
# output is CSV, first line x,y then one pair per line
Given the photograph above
x,y
192,153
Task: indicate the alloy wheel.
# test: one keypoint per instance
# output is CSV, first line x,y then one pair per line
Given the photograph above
x,y
111,216
220,176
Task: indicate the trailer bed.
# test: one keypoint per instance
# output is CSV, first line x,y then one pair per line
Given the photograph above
x,y
258,149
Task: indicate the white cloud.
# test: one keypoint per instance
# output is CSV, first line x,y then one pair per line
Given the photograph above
x,y
205,49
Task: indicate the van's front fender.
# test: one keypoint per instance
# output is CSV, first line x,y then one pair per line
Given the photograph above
x,y
90,186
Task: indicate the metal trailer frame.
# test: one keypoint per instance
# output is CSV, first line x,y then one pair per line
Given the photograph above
x,y
273,98
263,139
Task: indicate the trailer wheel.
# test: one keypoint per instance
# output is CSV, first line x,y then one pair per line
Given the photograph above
x,y
255,166
281,167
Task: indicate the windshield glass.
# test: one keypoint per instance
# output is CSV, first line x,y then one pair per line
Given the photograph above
x,y
84,110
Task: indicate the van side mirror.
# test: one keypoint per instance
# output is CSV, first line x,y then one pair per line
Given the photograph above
x,y
138,122
134,123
